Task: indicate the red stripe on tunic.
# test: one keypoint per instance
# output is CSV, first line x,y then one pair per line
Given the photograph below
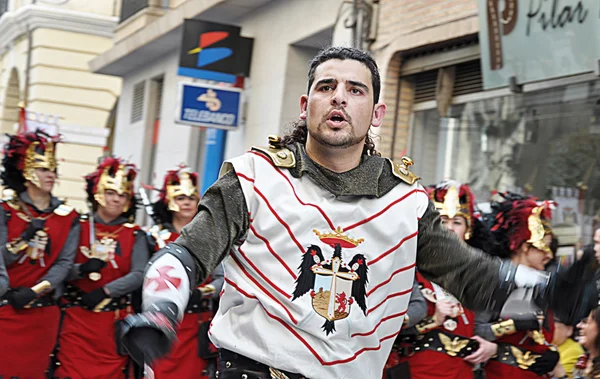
x,y
389,297
383,210
263,288
394,248
305,343
378,324
270,248
294,191
263,275
390,278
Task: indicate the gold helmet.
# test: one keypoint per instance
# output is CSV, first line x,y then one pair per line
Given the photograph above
x,y
25,153
178,182
454,199
112,174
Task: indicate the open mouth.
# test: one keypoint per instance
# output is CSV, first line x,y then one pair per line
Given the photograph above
x,y
336,118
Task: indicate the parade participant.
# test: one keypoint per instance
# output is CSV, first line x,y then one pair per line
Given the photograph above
x,y
39,235
319,238
176,207
443,344
108,267
524,341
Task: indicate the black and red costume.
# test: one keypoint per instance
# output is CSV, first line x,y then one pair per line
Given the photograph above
x,y
38,247
107,270
193,352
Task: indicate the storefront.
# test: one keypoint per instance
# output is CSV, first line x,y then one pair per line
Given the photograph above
x,y
534,130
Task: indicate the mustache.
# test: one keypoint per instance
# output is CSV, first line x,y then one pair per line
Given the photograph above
x,y
346,115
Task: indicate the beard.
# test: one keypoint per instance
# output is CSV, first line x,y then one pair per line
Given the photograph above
x,y
336,138
341,138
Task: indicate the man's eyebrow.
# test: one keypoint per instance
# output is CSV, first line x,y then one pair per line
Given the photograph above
x,y
326,81
359,84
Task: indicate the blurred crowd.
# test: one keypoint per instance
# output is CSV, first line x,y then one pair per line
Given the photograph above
x,y
67,281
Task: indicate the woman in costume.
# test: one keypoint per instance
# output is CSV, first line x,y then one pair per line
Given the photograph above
x,y
522,228
39,236
109,266
193,353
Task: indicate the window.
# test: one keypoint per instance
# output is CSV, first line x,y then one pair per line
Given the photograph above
x,y
137,105
545,143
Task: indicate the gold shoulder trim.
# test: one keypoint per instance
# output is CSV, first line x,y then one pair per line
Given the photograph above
x,y
63,210
279,155
9,196
403,172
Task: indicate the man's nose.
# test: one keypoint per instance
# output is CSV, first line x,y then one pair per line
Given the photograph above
x,y
339,97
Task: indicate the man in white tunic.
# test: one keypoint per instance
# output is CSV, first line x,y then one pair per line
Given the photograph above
x,y
319,238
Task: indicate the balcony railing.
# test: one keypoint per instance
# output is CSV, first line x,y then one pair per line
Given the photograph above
x,y
131,7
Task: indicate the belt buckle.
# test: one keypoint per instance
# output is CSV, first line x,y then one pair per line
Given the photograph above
x,y
276,374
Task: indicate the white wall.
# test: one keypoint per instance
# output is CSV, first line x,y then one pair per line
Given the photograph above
x,y
173,142
275,28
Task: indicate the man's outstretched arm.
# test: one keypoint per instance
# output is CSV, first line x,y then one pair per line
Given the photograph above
x,y
222,220
478,280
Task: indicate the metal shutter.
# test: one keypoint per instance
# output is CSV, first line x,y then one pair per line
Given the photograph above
x,y
137,107
468,78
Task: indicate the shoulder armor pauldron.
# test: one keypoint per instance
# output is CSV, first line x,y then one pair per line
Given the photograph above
x,y
279,155
9,196
63,210
403,172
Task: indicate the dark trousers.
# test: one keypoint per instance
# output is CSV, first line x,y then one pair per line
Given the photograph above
x,y
235,366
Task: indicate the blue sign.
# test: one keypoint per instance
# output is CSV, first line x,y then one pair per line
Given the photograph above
x,y
209,106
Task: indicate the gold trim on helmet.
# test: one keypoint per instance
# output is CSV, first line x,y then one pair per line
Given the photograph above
x,y
34,160
119,183
452,207
185,187
538,229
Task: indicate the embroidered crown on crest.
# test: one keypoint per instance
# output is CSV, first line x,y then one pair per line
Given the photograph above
x,y
337,237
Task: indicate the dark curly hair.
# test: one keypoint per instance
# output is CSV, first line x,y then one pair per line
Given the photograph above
x,y
299,130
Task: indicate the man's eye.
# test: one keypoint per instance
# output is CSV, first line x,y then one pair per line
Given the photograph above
x,y
355,91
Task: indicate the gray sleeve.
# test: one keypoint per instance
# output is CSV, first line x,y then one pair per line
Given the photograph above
x,y
217,279
470,275
8,257
417,307
61,268
483,327
222,220
133,280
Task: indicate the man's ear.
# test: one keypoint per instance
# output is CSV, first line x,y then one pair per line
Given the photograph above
x,y
378,114
303,106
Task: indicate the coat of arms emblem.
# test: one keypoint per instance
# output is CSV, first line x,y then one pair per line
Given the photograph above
x,y
333,285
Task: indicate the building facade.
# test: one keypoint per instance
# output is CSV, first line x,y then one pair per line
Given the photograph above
x,y
145,54
538,136
44,53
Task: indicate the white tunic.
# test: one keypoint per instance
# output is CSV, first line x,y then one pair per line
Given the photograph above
x,y
257,316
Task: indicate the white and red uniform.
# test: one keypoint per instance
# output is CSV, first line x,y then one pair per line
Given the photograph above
x,y
261,274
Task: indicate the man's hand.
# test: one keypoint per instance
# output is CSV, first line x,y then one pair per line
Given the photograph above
x,y
20,297
92,299
486,351
147,336
443,309
35,225
92,265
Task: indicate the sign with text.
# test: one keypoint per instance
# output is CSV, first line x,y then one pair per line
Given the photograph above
x,y
209,106
214,51
534,40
